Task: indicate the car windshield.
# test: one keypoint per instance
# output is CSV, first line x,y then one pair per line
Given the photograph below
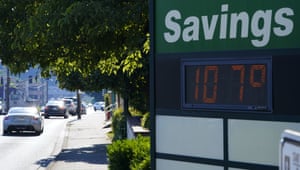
x,y
99,103
22,110
67,101
54,102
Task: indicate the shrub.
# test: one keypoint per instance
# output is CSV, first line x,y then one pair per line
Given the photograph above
x,y
119,154
141,154
133,154
107,99
134,112
146,120
144,165
118,125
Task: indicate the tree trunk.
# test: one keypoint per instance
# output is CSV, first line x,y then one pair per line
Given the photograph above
x,y
126,114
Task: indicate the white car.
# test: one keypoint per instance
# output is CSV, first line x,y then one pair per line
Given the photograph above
x,y
99,106
23,119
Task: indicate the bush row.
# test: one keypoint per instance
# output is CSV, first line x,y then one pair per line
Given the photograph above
x,y
129,154
118,125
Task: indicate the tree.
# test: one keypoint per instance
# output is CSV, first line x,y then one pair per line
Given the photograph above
x,y
100,41
11,14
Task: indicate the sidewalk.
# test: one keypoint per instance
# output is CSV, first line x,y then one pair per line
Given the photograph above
x,y
84,146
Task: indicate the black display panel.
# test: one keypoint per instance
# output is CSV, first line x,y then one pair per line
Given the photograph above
x,y
227,84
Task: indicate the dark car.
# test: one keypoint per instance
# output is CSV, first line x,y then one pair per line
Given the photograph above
x,y
56,108
1,108
70,105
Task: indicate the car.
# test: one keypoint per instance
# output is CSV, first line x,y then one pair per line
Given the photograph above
x,y
70,105
56,108
42,110
99,106
1,108
83,108
74,99
23,119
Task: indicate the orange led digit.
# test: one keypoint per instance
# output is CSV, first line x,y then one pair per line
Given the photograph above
x,y
262,70
240,68
206,98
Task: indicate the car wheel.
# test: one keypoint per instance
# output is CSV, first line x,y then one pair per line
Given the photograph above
x,y
5,132
46,117
66,116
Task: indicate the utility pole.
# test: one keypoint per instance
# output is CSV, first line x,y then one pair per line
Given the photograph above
x,y
78,108
7,90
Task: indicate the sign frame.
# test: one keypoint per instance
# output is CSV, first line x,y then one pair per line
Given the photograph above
x,y
228,61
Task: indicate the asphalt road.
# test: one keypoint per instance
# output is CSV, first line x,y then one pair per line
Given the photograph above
x,y
31,152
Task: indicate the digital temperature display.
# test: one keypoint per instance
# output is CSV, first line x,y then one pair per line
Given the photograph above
x,y
229,84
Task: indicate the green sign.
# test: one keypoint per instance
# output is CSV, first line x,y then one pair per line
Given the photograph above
x,y
226,25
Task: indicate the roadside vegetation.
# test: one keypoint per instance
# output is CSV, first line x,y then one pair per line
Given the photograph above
x,y
89,45
129,154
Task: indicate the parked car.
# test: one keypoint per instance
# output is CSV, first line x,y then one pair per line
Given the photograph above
x,y
99,106
56,108
1,108
83,108
70,105
21,119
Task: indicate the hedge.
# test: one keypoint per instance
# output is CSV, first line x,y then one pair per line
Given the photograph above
x,y
129,154
118,125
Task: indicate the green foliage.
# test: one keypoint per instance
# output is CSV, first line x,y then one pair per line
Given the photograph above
x,y
71,81
12,16
88,44
141,152
131,154
119,154
144,165
119,125
146,120
134,112
107,99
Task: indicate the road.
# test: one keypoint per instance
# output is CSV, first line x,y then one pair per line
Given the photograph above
x,y
31,152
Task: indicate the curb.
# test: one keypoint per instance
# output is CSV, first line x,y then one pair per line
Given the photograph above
x,y
62,142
